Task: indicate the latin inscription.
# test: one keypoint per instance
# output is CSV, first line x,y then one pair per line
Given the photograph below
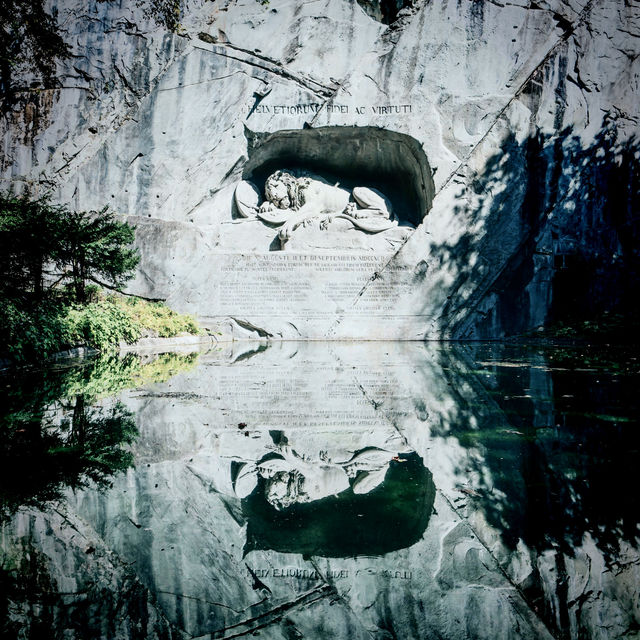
x,y
315,107
292,285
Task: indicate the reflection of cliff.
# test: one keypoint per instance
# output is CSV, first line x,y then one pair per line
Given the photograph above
x,y
266,497
394,515
266,493
553,452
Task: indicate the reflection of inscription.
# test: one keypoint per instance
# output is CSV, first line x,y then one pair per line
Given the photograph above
x,y
269,394
396,574
315,107
296,572
312,574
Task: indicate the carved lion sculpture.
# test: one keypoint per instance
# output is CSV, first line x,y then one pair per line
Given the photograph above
x,y
293,200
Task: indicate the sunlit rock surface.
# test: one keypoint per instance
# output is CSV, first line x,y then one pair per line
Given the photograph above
x,y
354,490
486,123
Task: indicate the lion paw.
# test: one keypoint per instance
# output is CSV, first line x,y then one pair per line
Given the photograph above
x,y
324,224
285,233
266,206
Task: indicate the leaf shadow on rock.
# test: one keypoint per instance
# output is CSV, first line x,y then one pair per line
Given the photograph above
x,y
552,233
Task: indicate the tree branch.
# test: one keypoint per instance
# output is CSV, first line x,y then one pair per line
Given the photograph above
x,y
132,295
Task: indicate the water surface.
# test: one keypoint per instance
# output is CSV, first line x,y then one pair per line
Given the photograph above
x,y
325,490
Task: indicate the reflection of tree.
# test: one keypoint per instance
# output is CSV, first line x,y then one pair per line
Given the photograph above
x,y
558,446
551,225
58,429
41,454
560,465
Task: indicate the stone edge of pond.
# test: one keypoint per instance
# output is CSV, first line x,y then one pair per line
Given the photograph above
x,y
176,342
182,343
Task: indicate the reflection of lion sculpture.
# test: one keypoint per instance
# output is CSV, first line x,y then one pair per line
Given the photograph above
x,y
293,479
292,201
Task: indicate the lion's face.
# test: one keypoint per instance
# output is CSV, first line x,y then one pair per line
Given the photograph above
x,y
284,190
278,193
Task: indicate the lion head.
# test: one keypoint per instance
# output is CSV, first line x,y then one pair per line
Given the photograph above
x,y
285,190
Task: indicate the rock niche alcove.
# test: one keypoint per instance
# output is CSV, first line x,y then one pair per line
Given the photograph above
x,y
315,214
342,188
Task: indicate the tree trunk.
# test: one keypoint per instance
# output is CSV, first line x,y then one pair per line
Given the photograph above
x,y
78,422
78,282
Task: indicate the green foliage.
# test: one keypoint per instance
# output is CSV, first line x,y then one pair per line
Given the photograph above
x,y
94,245
108,375
30,39
102,325
34,333
107,322
40,241
54,326
30,234
48,257
157,318
165,12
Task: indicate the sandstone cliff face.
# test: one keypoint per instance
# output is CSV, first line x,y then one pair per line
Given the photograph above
x,y
518,120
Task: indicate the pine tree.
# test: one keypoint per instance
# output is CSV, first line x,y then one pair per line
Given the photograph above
x,y
95,247
42,245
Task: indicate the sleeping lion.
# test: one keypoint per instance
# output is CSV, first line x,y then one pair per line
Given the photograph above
x,y
293,200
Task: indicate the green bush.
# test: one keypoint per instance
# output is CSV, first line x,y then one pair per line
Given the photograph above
x,y
51,259
156,317
102,325
33,334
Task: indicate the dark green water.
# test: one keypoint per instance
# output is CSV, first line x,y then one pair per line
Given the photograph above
x,y
378,490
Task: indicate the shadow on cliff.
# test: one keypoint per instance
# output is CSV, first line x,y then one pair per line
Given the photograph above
x,y
552,225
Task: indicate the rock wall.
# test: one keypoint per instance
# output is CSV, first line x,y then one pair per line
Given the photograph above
x,y
503,133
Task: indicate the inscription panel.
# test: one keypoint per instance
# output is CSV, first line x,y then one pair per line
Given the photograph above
x,y
289,285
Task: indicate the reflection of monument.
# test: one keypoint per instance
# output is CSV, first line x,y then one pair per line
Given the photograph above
x,y
330,503
389,516
302,199
288,492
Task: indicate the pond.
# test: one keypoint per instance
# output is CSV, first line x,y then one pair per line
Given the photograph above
x,y
324,490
